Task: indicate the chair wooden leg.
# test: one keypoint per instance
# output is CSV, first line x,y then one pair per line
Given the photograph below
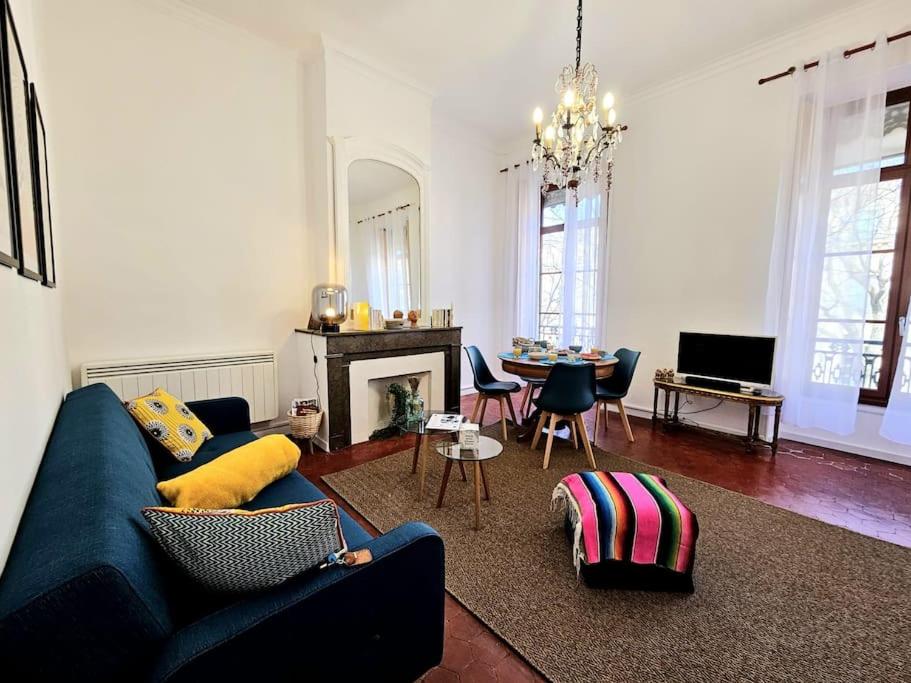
x,y
502,401
586,441
512,410
462,470
575,434
604,406
539,429
597,417
483,410
477,404
551,428
625,420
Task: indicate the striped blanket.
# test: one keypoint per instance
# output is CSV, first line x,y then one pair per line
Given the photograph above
x,y
630,517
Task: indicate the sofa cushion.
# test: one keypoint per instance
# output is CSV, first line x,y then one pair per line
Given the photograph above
x,y
82,552
167,419
295,488
235,477
247,550
168,468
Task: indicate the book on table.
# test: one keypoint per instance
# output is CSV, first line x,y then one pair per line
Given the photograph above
x,y
448,422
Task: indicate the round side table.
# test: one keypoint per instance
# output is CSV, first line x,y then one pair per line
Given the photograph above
x,y
487,450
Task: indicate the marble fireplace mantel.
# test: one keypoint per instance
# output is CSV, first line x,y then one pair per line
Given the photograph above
x,y
325,368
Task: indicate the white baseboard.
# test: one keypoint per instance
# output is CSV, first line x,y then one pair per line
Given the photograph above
x,y
875,453
833,444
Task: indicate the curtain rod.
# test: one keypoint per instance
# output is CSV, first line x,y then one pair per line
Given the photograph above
x,y
370,218
847,54
503,170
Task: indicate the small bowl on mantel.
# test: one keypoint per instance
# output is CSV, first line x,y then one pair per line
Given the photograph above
x,y
394,323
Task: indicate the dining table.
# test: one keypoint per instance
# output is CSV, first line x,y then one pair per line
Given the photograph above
x,y
531,368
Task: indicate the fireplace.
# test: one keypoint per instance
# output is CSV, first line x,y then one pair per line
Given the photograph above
x,y
350,370
379,407
368,380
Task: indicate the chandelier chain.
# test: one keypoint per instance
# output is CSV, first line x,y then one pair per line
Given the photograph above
x,y
579,36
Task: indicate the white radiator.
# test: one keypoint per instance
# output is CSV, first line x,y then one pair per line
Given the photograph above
x,y
192,378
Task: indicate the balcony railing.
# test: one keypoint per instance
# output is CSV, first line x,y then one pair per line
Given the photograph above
x,y
836,366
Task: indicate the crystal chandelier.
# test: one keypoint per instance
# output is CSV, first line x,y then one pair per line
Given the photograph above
x,y
578,145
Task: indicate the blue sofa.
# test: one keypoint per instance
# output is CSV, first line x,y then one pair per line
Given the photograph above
x,y
88,595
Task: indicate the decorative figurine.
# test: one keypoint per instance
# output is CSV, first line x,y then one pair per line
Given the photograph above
x,y
413,318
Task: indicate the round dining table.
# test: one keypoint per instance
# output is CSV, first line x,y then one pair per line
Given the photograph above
x,y
528,368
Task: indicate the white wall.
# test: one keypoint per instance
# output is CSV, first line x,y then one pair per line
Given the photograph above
x,y
33,373
180,177
369,101
463,261
694,206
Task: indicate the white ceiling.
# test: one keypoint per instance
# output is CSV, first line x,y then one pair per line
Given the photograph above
x,y
490,62
370,180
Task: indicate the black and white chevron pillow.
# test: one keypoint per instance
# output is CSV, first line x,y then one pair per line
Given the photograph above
x,y
239,550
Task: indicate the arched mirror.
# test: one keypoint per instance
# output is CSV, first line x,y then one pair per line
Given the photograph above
x,y
384,237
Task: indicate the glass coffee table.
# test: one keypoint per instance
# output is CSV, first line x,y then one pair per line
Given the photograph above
x,y
418,427
487,450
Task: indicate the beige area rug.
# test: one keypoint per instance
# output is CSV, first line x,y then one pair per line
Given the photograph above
x,y
779,596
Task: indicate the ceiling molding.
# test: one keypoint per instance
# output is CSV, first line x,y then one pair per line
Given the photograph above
x,y
763,48
372,66
179,9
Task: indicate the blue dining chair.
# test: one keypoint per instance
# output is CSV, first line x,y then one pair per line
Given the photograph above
x,y
614,389
489,387
568,393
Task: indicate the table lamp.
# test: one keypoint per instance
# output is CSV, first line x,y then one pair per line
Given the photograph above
x,y
330,306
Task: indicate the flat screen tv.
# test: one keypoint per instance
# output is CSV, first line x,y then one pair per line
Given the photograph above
x,y
726,356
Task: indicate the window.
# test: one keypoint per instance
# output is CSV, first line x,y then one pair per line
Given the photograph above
x,y
567,301
550,288
889,284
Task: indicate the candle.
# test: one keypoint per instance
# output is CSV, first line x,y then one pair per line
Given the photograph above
x,y
362,315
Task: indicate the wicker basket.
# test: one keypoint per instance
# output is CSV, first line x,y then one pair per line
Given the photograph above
x,y
305,426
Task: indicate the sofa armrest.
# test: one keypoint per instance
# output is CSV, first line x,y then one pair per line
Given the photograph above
x,y
380,621
223,415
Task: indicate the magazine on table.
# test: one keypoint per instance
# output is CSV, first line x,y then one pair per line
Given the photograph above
x,y
448,422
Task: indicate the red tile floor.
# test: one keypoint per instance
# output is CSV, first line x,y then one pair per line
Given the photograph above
x,y
868,496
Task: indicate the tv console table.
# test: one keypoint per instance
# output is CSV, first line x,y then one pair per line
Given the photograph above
x,y
755,404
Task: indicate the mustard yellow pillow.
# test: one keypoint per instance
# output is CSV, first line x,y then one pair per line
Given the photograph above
x,y
234,478
171,422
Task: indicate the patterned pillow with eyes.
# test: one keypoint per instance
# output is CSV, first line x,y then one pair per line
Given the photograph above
x,y
170,422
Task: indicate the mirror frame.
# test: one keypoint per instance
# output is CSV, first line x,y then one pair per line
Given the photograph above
x,y
347,150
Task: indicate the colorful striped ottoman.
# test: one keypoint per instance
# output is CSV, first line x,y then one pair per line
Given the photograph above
x,y
628,531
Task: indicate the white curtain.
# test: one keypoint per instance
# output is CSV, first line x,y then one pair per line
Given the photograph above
x,y
896,424
827,222
413,231
585,261
522,220
376,264
389,276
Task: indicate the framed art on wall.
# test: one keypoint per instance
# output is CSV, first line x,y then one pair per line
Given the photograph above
x,y
9,241
19,145
42,190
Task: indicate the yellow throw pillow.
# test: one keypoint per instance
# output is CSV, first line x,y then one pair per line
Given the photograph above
x,y
171,422
234,478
